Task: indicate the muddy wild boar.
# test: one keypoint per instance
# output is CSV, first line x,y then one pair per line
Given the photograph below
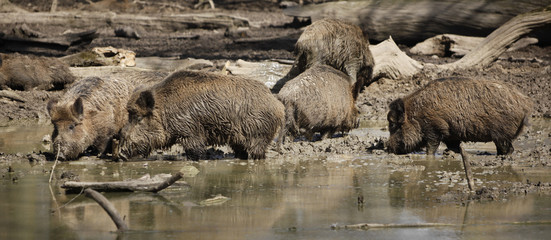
x,y
453,110
318,100
92,112
335,43
26,72
200,109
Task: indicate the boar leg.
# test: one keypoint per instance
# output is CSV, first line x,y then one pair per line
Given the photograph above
x,y
457,148
257,147
103,146
195,153
467,166
504,147
432,146
239,152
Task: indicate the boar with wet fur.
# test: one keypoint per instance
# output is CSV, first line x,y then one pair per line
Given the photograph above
x,y
92,112
338,44
318,100
200,109
454,110
26,72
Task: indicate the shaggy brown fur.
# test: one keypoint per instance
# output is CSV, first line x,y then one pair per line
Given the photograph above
x,y
25,72
318,100
92,112
335,43
200,109
452,110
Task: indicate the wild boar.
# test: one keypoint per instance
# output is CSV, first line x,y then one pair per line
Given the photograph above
x,y
454,110
338,44
199,109
318,100
26,72
92,112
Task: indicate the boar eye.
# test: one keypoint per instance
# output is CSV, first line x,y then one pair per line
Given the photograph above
x,y
392,126
72,126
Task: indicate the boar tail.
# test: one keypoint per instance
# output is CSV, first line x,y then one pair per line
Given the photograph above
x,y
525,123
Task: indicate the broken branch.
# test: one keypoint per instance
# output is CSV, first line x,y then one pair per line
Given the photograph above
x,y
143,184
108,207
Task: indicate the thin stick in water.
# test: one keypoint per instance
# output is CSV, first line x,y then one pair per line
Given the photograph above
x,y
55,163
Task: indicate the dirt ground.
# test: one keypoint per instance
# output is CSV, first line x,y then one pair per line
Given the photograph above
x,y
529,69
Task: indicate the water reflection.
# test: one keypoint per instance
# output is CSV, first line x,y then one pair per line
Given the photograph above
x,y
24,137
277,199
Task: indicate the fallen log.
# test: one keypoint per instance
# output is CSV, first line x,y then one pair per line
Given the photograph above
x,y
59,43
144,184
414,21
446,45
84,20
101,56
499,40
10,94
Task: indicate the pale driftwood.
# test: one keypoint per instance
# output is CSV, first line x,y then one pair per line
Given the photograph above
x,y
522,43
144,184
101,56
11,95
499,40
84,20
446,44
391,62
108,207
414,21
459,46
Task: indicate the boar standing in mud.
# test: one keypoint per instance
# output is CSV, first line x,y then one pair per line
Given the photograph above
x,y
338,44
199,109
318,100
454,110
26,72
92,112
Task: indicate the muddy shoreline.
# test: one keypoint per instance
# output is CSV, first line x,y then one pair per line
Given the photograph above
x,y
272,36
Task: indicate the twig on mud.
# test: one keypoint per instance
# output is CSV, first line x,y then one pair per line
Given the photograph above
x,y
162,4
366,226
55,163
108,207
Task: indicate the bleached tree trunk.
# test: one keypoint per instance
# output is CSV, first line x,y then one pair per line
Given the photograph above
x,y
397,64
414,21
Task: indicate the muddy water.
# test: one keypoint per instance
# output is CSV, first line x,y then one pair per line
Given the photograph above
x,y
24,136
289,197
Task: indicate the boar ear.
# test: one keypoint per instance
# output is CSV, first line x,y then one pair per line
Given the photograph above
x,y
78,108
397,106
146,101
51,105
